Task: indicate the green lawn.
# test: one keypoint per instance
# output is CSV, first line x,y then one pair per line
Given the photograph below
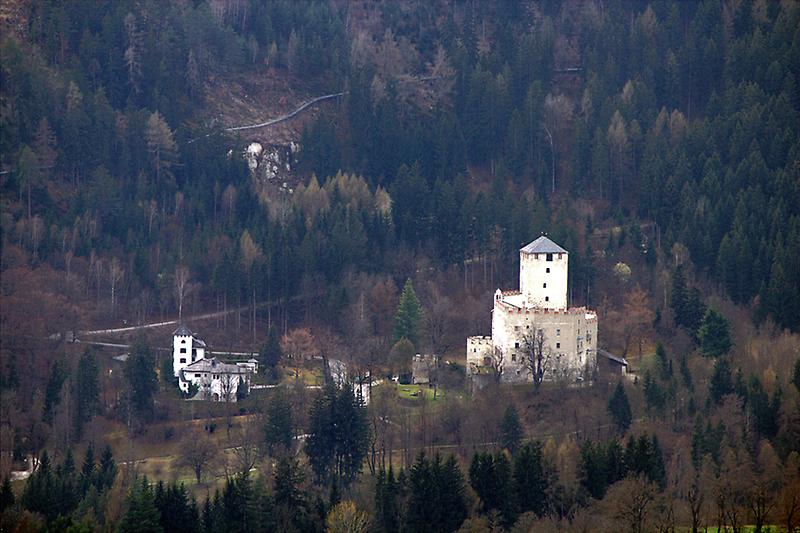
x,y
412,392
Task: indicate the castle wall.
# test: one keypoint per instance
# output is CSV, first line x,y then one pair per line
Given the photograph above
x,y
570,341
539,287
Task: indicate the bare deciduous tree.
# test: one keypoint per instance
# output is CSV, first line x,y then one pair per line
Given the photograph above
x,y
182,287
537,355
115,273
197,454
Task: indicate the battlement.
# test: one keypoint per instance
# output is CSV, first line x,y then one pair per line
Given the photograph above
x,y
480,340
511,308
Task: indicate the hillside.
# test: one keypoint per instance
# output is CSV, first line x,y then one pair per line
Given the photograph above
x,y
656,142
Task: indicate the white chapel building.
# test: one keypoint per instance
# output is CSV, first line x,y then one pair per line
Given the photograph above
x,y
568,334
214,379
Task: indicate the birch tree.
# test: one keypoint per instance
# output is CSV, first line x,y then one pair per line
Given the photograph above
x,y
182,287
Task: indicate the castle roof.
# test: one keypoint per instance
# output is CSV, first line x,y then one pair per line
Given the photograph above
x,y
214,365
182,331
543,245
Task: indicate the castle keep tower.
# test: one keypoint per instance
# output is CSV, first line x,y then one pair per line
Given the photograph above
x,y
543,274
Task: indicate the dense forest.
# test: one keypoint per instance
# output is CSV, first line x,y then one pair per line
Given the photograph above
x,y
658,142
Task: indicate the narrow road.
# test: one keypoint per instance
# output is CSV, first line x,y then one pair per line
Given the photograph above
x,y
287,116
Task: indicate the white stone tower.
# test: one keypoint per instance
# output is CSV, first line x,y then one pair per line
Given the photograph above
x,y
543,274
186,349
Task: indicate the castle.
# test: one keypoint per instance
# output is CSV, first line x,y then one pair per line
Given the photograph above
x,y
533,330
215,380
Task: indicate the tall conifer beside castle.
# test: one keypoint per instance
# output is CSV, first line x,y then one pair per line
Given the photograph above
x,y
408,316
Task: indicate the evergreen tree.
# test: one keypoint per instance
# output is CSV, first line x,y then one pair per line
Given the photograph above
x,y
531,481
387,504
714,334
142,381
338,435
679,297
39,494
721,382
108,470
511,430
408,316
653,395
279,428
686,373
664,363
271,354
52,393
452,494
88,471
796,375
7,498
437,500
620,409
86,390
141,514
291,503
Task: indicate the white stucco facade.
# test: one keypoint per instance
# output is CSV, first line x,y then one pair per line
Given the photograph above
x,y
569,335
214,379
186,349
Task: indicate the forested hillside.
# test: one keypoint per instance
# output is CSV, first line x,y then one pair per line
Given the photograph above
x,y
658,142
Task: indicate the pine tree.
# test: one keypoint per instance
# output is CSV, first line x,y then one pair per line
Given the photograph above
x,y
52,394
408,316
7,498
679,296
531,481
279,428
511,430
271,354
620,409
87,390
653,395
721,382
796,375
142,380
664,364
141,514
714,334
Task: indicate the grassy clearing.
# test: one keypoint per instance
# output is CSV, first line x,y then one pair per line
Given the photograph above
x,y
413,392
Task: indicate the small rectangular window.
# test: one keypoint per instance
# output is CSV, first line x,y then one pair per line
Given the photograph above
x,y
183,341
183,360
558,345
549,257
183,350
544,285
197,375
513,357
546,298
547,270
558,332
516,345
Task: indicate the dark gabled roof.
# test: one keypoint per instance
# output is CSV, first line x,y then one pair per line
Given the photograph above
x,y
198,343
543,245
182,331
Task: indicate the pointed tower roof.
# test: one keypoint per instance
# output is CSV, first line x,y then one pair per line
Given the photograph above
x,y
182,331
543,245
